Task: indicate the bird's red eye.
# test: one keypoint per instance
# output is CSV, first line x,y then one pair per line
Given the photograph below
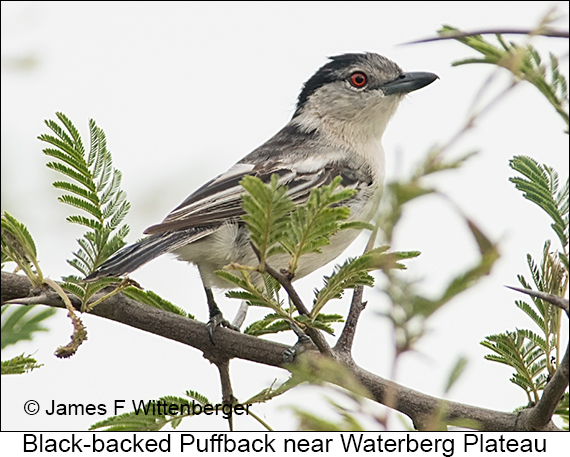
x,y
358,79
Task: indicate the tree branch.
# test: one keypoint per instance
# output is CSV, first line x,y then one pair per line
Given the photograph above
x,y
229,344
344,343
544,31
314,333
227,390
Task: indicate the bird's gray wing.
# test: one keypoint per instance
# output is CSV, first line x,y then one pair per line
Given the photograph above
x,y
219,201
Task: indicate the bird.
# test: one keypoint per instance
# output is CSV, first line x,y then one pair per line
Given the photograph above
x,y
336,130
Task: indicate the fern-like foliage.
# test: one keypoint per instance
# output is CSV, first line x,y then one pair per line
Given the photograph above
x,y
277,226
19,365
542,187
550,277
93,186
533,356
19,247
309,421
455,373
153,415
274,323
267,209
522,350
311,225
253,294
524,62
355,272
20,323
148,297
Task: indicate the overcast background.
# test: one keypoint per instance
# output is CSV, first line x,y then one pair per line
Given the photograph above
x,y
183,91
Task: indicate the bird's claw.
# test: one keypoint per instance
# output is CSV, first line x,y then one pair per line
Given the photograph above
x,y
299,347
217,320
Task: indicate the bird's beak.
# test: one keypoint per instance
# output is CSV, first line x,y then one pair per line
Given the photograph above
x,y
408,82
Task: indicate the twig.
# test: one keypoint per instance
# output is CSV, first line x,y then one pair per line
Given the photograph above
x,y
288,286
548,32
344,343
79,333
285,282
227,390
315,335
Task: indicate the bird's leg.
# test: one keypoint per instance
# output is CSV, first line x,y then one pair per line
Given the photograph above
x,y
216,316
303,341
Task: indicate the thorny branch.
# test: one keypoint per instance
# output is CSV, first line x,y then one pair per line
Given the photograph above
x,y
343,345
229,344
285,281
554,300
545,31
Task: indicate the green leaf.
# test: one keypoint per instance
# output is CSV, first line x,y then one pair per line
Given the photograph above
x,y
21,234
251,293
267,325
311,225
198,397
524,351
456,372
253,299
93,185
19,365
20,323
68,156
230,277
71,173
308,421
354,272
113,188
18,246
151,299
93,224
274,323
357,225
81,204
525,63
530,312
76,138
79,191
151,416
266,207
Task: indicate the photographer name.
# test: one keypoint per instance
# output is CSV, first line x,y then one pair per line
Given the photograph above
x,y
152,408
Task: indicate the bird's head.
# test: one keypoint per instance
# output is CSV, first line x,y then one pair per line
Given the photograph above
x,y
355,95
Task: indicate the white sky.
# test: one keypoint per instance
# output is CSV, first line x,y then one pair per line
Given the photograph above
x,y
184,90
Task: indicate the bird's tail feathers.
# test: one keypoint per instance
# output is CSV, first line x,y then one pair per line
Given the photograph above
x,y
136,255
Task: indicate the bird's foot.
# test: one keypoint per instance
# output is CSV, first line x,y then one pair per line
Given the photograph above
x,y
218,320
299,347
